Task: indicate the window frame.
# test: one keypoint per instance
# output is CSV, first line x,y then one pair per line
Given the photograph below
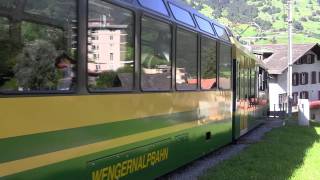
x,y
134,23
175,58
304,78
200,61
295,79
295,101
304,93
171,52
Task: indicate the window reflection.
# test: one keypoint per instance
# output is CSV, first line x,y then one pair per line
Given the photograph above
x,y
155,55
186,60
110,47
204,25
221,33
208,63
37,51
225,67
253,82
156,5
181,15
8,3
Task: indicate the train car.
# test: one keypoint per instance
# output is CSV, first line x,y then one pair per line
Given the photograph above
x,y
250,89
112,89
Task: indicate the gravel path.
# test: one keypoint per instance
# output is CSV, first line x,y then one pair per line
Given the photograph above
x,y
197,168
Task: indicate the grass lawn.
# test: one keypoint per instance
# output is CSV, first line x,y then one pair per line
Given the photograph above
x,y
290,152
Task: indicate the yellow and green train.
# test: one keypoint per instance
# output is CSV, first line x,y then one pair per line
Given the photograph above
x,y
119,89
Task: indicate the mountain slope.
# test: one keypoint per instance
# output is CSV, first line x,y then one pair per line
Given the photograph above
x,y
264,21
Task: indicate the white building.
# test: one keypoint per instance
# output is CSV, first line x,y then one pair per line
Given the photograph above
x,y
306,75
106,46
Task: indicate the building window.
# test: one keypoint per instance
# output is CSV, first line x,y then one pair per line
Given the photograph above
x,y
156,63
310,59
208,63
186,61
117,75
314,77
111,56
304,78
295,96
298,62
295,79
282,101
304,95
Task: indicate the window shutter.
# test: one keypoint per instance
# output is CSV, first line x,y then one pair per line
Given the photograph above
x,y
314,77
307,95
307,78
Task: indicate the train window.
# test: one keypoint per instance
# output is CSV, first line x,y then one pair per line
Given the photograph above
x,y
186,60
238,86
208,63
225,67
156,5
38,52
59,9
204,25
181,15
111,66
253,82
221,33
155,55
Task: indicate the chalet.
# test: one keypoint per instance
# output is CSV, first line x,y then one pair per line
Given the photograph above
x,y
305,75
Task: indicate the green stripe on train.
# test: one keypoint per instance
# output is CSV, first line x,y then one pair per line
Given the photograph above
x,y
42,143
194,147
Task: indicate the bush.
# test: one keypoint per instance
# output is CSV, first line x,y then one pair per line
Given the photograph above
x,y
303,19
265,25
298,26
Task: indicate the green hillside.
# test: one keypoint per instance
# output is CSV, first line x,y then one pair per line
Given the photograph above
x,y
264,21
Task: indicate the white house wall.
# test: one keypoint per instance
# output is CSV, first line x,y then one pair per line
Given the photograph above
x,y
312,88
275,89
278,85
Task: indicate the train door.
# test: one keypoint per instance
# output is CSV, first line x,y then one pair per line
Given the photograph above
x,y
244,95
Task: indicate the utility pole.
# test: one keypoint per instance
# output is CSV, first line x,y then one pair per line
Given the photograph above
x,y
289,77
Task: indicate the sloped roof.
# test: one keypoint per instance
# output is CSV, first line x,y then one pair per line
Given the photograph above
x,y
278,61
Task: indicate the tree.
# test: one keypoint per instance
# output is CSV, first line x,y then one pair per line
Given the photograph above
x,y
35,68
298,26
274,40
